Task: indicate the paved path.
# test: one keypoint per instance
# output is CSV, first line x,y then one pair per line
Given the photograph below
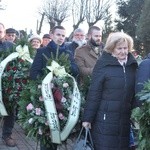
x,y
23,143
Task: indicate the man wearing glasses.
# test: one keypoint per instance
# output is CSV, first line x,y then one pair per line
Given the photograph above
x,y
11,35
78,40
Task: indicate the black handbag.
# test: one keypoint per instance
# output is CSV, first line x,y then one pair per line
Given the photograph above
x,y
84,140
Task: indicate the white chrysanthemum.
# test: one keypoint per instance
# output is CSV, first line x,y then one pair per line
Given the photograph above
x,y
30,120
63,100
65,85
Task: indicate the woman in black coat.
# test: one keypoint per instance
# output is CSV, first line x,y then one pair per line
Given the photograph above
x,y
111,95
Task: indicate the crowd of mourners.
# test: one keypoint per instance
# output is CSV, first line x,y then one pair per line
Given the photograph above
x,y
115,71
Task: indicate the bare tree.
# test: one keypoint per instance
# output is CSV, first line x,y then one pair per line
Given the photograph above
x,y
2,5
108,26
95,10
56,11
78,13
39,26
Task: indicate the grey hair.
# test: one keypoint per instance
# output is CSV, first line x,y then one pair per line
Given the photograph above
x,y
78,30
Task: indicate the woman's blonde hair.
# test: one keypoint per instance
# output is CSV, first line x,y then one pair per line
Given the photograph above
x,y
116,38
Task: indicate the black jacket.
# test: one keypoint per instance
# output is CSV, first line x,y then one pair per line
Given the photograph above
x,y
109,102
5,45
71,47
143,74
40,61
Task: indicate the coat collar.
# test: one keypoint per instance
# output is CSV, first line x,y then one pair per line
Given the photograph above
x,y
94,54
95,51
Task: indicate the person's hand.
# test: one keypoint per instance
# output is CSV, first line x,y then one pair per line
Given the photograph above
x,y
86,125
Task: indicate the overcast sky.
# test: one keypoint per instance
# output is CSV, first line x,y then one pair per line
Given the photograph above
x,y
23,14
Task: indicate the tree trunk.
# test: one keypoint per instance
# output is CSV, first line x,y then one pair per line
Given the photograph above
x,y
41,23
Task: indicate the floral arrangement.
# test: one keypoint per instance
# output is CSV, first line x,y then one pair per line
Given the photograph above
x,y
13,81
142,117
14,78
62,88
32,112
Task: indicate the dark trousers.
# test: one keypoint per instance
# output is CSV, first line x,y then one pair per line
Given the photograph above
x,y
8,125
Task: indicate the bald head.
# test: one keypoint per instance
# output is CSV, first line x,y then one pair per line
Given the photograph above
x,y
2,31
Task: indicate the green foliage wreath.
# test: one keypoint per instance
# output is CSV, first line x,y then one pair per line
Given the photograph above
x,y
32,113
142,116
15,77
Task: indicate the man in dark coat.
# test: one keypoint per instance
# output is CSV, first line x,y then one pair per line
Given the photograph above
x,y
111,95
143,74
44,53
40,61
45,40
78,40
4,45
11,35
9,121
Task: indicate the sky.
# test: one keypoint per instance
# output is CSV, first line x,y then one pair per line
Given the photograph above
x,y
23,15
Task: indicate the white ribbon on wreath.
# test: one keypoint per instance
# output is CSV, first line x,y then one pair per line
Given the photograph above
x,y
23,53
58,136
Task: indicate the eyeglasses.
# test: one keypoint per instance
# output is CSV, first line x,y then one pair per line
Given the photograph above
x,y
13,35
79,35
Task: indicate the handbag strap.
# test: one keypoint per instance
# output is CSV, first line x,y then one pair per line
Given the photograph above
x,y
78,138
90,137
87,133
